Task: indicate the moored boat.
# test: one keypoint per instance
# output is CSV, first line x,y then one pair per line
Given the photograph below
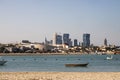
x,y
2,62
77,65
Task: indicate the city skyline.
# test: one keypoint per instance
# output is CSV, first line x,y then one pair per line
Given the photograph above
x,y
35,20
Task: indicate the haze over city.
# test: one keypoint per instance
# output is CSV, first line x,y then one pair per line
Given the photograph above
x,y
36,19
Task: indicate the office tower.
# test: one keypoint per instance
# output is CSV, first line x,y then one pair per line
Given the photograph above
x,y
66,39
70,42
75,42
86,40
57,39
105,42
54,38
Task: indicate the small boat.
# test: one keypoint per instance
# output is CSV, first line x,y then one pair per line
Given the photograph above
x,y
2,62
109,58
77,65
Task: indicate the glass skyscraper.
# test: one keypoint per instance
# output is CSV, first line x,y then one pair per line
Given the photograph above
x,y
57,39
75,42
86,40
66,39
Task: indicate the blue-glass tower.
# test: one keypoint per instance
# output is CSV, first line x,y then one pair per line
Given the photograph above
x,y
75,42
66,39
86,40
58,39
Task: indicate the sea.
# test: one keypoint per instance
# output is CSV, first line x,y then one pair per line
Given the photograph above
x,y
56,63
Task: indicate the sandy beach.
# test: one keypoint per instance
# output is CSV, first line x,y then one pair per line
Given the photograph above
x,y
59,75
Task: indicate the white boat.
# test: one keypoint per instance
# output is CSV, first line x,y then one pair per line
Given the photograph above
x,y
109,58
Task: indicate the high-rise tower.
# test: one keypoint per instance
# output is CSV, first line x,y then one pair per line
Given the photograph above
x,y
86,40
66,38
57,39
54,38
75,42
105,42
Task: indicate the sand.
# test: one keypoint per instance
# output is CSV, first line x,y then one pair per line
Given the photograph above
x,y
59,75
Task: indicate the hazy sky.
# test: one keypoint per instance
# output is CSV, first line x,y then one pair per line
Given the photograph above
x,y
36,19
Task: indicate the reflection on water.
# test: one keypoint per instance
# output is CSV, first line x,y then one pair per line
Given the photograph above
x,y
57,63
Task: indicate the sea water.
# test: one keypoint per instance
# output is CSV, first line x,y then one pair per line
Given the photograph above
x,y
55,63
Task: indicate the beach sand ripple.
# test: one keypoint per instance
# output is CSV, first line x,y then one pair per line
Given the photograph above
x,y
59,75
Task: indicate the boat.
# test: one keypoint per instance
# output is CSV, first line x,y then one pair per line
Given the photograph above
x,y
109,58
2,62
77,65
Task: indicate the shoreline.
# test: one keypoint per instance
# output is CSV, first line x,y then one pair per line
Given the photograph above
x,y
39,54
59,76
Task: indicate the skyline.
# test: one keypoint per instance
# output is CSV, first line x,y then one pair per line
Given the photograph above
x,y
35,20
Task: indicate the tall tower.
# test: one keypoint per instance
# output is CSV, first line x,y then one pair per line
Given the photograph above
x,y
57,39
86,40
54,38
105,42
75,42
66,38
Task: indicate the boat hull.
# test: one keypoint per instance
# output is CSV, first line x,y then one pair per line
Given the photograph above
x,y
77,65
2,62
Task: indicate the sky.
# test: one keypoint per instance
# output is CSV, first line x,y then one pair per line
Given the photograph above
x,y
36,19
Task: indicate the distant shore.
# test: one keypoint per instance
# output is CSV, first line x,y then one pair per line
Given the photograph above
x,y
59,75
36,54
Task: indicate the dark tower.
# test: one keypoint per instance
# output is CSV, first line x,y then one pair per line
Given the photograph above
x,y
105,42
86,40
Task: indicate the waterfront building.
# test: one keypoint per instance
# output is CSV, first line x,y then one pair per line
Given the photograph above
x,y
105,42
48,42
86,40
66,38
75,42
26,41
35,46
